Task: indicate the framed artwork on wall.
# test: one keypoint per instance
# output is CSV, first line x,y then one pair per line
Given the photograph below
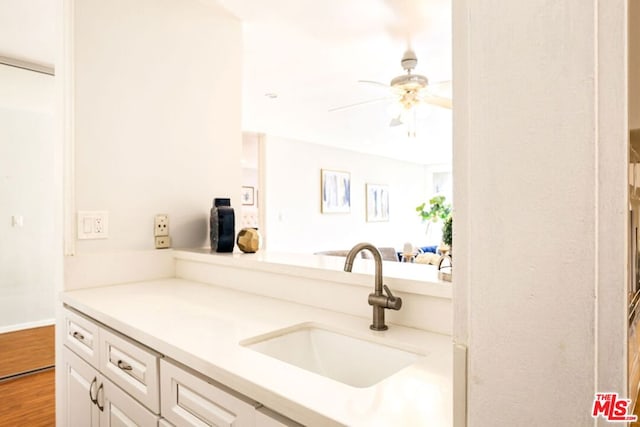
x,y
335,191
377,202
247,196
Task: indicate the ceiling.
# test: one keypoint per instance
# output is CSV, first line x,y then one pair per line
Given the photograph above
x,y
312,53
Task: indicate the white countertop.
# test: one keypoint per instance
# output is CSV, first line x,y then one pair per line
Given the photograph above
x,y
201,326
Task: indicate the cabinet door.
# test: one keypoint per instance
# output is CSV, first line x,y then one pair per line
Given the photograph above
x,y
122,410
80,382
189,400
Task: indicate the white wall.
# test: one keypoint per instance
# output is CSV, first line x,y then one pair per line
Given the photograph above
x,y
28,30
28,177
157,117
540,189
30,166
294,222
435,169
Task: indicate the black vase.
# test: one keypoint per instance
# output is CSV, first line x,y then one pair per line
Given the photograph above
x,y
222,226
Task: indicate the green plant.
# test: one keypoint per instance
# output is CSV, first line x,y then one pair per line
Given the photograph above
x,y
447,231
439,209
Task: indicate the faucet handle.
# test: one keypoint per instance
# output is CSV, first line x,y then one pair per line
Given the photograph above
x,y
393,302
388,292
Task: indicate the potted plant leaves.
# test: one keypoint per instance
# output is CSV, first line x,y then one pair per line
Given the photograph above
x,y
437,211
447,233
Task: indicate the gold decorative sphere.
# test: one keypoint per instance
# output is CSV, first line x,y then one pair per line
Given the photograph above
x,y
248,240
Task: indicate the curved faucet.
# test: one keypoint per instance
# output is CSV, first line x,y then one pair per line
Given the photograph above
x,y
377,299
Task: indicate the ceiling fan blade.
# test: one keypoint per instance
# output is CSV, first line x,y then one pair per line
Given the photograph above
x,y
441,89
441,84
371,101
396,121
437,100
373,82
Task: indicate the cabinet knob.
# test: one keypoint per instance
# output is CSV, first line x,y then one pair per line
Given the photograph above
x,y
77,335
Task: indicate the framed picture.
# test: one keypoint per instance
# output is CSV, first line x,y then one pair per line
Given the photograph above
x,y
247,196
335,191
377,202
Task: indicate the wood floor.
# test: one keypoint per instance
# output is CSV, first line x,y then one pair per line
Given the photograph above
x,y
27,399
27,350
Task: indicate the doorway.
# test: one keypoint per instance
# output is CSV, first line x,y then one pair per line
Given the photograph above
x,y
28,195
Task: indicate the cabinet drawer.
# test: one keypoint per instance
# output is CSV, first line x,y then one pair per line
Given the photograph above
x,y
82,336
132,367
267,418
120,409
189,400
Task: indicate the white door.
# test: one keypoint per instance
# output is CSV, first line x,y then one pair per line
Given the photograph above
x,y
81,386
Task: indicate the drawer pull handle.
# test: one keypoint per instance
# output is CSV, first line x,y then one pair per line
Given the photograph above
x,y
93,383
77,335
124,366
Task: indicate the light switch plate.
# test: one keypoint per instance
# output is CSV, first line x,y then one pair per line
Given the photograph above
x,y
93,225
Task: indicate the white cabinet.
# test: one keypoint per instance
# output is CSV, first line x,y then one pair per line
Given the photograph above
x,y
80,389
92,400
120,409
132,367
267,418
108,379
111,380
189,400
81,335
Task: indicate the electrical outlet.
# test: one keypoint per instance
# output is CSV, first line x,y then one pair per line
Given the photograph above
x,y
93,224
161,225
98,225
163,242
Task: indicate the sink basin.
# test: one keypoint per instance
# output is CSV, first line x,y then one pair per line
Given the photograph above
x,y
350,360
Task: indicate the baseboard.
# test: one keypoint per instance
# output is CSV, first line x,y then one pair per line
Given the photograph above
x,y
27,325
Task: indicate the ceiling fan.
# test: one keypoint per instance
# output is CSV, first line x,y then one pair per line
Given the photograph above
x,y
408,90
